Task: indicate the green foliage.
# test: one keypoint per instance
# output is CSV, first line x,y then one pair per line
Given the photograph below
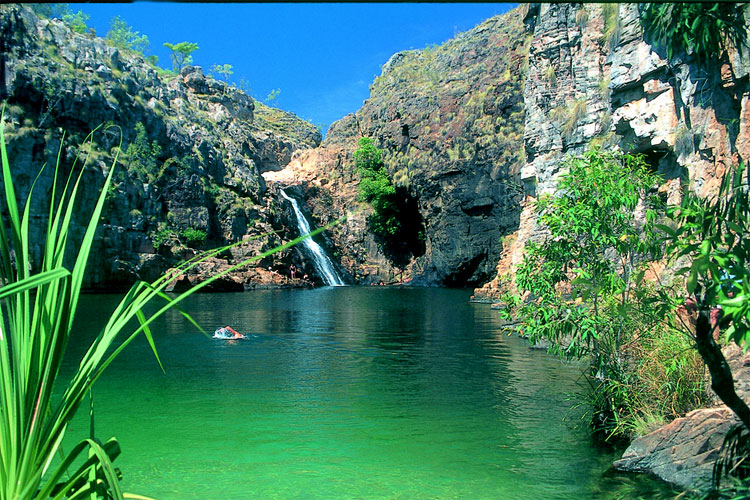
x,y
161,236
395,220
711,232
77,21
122,36
37,314
376,188
143,157
584,283
705,29
273,96
194,237
223,69
181,54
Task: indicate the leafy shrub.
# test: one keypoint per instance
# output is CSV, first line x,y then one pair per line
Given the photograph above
x,y
194,237
395,220
161,236
77,21
704,29
583,285
143,156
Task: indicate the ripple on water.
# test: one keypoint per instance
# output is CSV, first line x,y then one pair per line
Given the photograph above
x,y
345,393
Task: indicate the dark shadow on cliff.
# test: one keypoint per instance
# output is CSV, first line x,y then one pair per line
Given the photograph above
x,y
407,240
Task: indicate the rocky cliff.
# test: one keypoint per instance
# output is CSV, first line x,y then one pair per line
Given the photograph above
x,y
594,80
449,120
477,130
192,149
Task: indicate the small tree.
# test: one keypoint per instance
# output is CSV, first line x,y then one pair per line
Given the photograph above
x,y
273,95
122,36
181,54
224,70
77,21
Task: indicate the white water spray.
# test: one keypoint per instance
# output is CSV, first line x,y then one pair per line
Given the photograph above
x,y
320,259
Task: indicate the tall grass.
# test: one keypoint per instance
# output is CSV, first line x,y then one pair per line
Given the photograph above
x,y
37,312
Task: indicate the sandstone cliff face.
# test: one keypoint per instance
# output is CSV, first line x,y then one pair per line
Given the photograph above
x,y
449,120
193,148
593,80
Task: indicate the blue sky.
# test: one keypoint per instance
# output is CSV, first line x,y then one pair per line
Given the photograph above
x,y
322,57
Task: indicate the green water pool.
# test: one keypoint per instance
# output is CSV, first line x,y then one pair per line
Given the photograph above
x,y
347,392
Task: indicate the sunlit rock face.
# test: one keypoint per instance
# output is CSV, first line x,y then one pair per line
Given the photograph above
x,y
193,148
449,120
594,81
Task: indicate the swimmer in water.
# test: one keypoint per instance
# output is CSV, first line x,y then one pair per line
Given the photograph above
x,y
227,330
235,334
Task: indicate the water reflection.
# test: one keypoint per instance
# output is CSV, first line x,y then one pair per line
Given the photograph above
x,y
346,392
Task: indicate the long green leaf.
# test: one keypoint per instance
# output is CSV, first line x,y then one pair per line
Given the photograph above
x,y
33,281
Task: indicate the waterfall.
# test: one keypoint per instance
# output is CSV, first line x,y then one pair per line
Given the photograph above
x,y
321,261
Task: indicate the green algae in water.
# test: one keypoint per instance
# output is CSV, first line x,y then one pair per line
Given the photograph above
x,y
349,393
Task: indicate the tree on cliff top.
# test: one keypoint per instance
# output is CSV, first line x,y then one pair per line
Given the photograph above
x,y
122,36
181,54
76,21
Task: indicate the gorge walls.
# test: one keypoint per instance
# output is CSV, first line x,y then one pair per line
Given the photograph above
x,y
594,81
192,148
449,120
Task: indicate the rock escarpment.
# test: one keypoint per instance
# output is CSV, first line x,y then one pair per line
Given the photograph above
x,y
449,120
192,147
594,80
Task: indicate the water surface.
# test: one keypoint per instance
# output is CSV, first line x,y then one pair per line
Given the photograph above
x,y
346,392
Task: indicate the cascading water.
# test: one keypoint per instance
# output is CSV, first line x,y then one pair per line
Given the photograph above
x,y
320,259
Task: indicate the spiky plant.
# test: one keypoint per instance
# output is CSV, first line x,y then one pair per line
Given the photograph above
x,y
37,312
